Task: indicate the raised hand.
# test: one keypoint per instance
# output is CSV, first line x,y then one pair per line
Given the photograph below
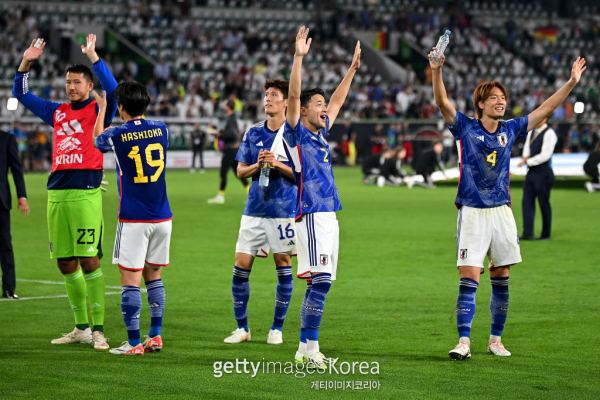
x,y
33,53
577,70
356,58
302,45
90,50
436,64
101,100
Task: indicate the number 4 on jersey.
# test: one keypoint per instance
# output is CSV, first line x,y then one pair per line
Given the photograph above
x,y
492,159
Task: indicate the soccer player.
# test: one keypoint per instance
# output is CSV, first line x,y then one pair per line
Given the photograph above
x,y
426,164
75,222
268,220
486,225
144,228
306,130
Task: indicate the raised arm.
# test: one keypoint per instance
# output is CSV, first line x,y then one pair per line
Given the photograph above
x,y
548,107
107,80
439,90
99,127
43,109
302,46
339,96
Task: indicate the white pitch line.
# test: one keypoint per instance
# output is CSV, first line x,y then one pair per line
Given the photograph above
x,y
51,297
62,283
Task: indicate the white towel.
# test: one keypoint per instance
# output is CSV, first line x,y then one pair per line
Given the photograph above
x,y
277,146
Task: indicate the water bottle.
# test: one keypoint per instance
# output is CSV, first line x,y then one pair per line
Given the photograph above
x,y
440,47
264,175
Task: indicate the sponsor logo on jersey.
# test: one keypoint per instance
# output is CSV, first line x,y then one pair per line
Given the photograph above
x,y
463,254
291,243
324,259
69,159
91,249
60,115
502,139
259,144
481,138
68,144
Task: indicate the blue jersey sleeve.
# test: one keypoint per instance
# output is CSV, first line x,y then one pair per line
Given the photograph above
x,y
518,126
109,85
43,109
244,153
291,135
103,141
458,126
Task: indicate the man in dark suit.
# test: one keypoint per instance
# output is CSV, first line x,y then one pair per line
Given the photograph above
x,y
537,153
9,158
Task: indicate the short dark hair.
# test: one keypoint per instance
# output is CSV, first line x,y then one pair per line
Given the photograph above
x,y
81,69
134,98
307,95
230,104
280,84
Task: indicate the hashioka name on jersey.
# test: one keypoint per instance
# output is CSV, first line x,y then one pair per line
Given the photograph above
x,y
140,147
311,159
76,164
485,160
278,199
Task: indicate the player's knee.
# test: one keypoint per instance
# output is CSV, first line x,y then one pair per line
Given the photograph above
x,y
244,261
151,273
67,265
89,264
282,260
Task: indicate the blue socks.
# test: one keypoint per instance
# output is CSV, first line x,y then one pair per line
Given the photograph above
x,y
240,287
131,306
156,301
303,313
465,306
315,303
285,287
499,304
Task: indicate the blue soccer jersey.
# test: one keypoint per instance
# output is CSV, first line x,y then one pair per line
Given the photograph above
x,y
140,147
278,199
310,154
485,160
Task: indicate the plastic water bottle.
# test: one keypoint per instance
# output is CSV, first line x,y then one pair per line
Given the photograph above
x,y
263,180
440,47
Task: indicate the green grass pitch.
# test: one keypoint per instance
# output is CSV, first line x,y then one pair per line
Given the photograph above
x,y
393,304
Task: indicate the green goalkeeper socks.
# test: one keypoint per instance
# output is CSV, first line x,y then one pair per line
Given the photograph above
x,y
95,290
76,292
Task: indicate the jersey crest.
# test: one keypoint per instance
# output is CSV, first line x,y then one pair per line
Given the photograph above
x,y
502,139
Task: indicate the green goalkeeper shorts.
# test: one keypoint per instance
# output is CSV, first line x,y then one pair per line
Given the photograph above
x,y
75,223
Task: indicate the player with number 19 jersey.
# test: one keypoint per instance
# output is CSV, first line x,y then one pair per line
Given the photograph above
x,y
140,148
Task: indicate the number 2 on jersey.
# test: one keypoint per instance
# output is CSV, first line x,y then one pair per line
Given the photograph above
x,y
325,159
135,155
492,159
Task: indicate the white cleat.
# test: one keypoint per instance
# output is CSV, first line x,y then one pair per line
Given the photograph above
x,y
589,187
275,337
219,199
461,352
299,358
497,349
128,350
99,341
318,360
76,336
238,336
410,182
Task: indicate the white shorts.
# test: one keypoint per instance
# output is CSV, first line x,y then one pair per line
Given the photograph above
x,y
487,231
140,244
260,235
318,244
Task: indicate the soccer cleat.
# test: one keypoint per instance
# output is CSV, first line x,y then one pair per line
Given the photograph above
x,y
99,341
410,182
275,337
153,344
589,187
318,360
238,336
219,199
497,349
76,336
128,350
299,358
461,352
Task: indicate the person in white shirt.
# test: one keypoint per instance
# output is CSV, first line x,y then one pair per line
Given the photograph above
x,y
537,153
